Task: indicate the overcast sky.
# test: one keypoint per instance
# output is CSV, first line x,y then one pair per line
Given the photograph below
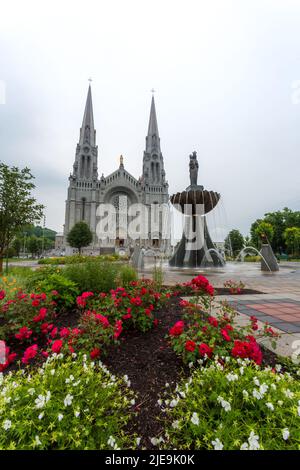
x,y
227,81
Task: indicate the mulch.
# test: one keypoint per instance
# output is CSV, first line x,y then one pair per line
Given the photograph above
x,y
150,363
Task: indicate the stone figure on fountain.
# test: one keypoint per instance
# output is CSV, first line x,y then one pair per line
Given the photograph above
x,y
194,166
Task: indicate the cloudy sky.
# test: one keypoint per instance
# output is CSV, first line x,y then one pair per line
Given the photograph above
x,y
227,81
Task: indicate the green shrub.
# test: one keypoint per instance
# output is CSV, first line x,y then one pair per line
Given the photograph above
x,y
252,259
126,275
158,277
235,406
68,404
50,279
76,259
92,276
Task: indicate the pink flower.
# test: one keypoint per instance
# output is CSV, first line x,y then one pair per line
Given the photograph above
x,y
2,294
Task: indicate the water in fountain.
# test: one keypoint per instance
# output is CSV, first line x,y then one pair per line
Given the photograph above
x,y
250,249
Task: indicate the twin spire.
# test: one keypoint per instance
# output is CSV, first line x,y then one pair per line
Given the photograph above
x,y
88,133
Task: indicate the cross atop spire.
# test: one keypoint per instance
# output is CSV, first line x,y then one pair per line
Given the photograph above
x,y
87,131
152,139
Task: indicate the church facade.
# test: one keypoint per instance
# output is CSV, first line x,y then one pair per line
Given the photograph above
x,y
87,192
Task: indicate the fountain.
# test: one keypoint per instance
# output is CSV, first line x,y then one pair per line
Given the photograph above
x,y
196,248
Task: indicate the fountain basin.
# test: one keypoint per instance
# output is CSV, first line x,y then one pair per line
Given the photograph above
x,y
209,199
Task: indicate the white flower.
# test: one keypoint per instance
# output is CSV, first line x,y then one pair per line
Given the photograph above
x,y
253,441
242,370
132,402
278,367
270,406
244,446
263,388
6,424
225,404
154,441
298,410
31,391
256,381
40,401
76,413
175,424
41,415
52,371
280,402
288,393
68,400
232,377
138,441
195,419
256,394
245,394
159,402
173,403
273,386
60,417
285,434
111,441
167,385
217,444
37,441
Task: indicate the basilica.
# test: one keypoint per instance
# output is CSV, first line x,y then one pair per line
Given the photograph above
x,y
87,192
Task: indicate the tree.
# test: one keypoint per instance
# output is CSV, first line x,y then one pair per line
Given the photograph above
x,y
264,230
80,236
234,242
18,207
34,245
280,220
292,239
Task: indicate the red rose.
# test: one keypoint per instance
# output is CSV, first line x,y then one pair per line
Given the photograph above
x,y
118,329
2,294
204,349
225,335
177,329
190,346
24,333
56,346
54,332
102,319
30,353
64,332
127,316
213,321
95,353
35,303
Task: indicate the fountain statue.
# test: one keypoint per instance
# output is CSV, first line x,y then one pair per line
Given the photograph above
x,y
196,247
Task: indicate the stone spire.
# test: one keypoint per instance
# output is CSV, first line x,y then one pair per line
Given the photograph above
x,y
87,131
152,139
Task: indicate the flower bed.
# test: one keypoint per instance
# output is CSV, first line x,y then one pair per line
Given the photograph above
x,y
236,405
144,333
69,403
